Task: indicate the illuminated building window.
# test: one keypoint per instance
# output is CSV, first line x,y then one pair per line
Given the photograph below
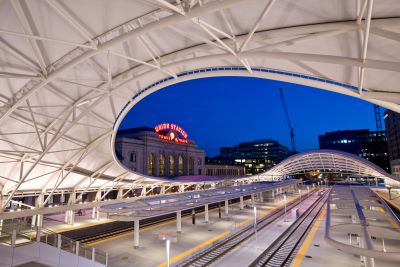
x,y
151,164
161,166
132,157
180,165
171,165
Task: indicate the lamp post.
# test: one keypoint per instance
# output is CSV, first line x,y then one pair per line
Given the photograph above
x,y
167,245
255,222
390,194
300,194
284,198
168,239
255,218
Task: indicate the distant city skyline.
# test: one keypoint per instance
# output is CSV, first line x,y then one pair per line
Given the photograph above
x,y
224,111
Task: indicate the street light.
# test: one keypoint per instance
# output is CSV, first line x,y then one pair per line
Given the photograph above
x,y
389,188
255,222
255,218
300,194
168,239
167,244
284,198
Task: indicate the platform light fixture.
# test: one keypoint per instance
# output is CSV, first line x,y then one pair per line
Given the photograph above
x,y
284,199
300,194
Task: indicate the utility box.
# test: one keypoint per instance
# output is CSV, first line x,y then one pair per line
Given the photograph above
x,y
295,214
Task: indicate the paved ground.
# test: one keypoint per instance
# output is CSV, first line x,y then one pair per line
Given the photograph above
x,y
315,252
247,252
394,196
55,222
152,251
319,253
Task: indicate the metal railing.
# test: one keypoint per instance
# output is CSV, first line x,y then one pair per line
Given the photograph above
x,y
19,234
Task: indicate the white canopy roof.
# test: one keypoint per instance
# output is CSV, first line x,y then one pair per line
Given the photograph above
x,y
70,70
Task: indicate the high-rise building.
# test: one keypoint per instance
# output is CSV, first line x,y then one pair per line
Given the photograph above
x,y
257,156
371,145
220,167
392,123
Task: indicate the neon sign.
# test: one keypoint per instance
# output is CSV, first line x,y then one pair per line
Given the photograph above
x,y
171,132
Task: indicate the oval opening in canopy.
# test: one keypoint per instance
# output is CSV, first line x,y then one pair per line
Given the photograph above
x,y
249,93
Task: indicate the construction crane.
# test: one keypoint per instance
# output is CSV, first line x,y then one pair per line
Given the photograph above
x,y
378,119
291,130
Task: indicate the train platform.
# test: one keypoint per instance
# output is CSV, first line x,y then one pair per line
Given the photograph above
x,y
55,222
250,249
194,237
316,252
393,199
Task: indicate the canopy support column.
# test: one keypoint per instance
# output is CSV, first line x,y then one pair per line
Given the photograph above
x,y
206,213
136,234
179,221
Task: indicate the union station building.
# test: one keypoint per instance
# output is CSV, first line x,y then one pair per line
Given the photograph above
x,y
163,151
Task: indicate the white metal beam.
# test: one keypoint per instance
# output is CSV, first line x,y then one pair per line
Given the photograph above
x,y
257,24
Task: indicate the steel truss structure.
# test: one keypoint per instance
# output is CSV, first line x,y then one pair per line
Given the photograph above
x,y
69,71
328,161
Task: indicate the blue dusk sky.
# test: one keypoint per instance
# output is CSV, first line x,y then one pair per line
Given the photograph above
x,y
224,111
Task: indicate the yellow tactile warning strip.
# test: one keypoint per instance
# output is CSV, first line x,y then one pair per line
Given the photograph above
x,y
82,226
129,233
169,222
147,228
306,244
390,219
387,200
194,249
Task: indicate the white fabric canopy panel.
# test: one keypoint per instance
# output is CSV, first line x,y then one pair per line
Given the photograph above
x,y
70,70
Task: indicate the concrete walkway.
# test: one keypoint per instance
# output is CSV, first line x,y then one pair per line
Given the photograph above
x,y
248,251
152,250
315,252
394,196
55,222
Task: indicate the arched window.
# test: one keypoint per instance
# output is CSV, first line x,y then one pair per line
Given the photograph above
x,y
180,165
161,166
151,164
171,165
191,166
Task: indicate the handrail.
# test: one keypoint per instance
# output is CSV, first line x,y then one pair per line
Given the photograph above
x,y
388,208
371,253
27,234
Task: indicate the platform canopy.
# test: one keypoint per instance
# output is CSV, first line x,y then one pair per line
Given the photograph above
x,y
70,70
329,161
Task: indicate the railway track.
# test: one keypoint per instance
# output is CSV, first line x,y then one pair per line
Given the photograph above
x,y
282,251
218,250
88,235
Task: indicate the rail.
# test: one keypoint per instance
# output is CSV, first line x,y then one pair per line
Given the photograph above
x,y
219,248
283,249
395,256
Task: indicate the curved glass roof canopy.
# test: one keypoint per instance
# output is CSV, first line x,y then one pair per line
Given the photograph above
x,y
330,161
71,70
